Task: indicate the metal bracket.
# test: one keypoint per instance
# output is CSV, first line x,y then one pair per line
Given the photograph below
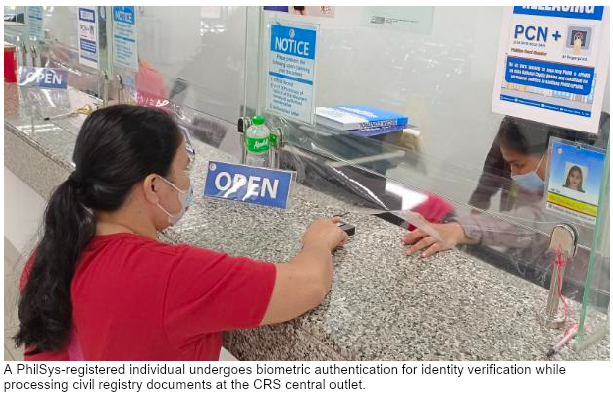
x,y
119,88
24,54
105,88
564,237
276,153
242,125
34,54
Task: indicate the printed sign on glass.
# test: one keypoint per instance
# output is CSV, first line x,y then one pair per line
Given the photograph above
x,y
88,37
43,77
291,72
553,64
257,185
124,37
35,22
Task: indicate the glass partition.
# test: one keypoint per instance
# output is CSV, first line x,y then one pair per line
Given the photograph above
x,y
58,47
15,31
191,56
595,309
451,164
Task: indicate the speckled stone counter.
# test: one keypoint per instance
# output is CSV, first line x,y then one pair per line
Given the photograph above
x,y
383,304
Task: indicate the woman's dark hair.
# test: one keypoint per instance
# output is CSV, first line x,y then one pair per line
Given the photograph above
x,y
532,138
523,136
117,147
571,170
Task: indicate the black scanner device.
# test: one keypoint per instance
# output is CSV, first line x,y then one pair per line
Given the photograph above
x,y
347,228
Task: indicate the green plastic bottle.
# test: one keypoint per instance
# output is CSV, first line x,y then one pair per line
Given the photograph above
x,y
257,143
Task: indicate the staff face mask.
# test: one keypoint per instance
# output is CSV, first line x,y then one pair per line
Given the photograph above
x,y
530,180
185,198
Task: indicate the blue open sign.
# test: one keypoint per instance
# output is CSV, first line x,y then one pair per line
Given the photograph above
x,y
256,185
43,77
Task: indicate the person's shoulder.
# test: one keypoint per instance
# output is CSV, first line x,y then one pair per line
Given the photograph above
x,y
142,244
188,252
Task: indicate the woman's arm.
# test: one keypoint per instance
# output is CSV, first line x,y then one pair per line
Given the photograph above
x,y
479,229
303,282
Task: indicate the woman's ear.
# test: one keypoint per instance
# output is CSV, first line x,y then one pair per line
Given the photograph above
x,y
150,187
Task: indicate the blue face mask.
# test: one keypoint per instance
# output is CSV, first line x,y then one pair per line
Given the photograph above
x,y
530,180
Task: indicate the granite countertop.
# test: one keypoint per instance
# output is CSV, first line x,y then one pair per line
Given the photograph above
x,y
383,304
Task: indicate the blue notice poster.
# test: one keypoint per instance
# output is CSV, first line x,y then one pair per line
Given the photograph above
x,y
553,63
291,72
88,36
35,22
124,37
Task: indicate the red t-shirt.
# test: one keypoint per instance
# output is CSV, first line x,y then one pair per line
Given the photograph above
x,y
135,298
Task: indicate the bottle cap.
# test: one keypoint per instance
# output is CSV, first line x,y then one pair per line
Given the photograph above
x,y
258,120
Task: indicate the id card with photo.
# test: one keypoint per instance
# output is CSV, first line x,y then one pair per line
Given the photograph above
x,y
575,174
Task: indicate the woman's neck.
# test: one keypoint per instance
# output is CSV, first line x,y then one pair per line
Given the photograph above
x,y
119,222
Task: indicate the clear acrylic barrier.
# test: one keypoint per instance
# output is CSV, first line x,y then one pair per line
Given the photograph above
x,y
595,309
190,56
447,168
59,48
440,74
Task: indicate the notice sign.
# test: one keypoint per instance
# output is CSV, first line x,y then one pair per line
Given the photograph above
x,y
35,22
553,64
575,174
124,37
291,72
88,37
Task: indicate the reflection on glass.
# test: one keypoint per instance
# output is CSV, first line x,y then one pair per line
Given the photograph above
x,y
14,14
481,175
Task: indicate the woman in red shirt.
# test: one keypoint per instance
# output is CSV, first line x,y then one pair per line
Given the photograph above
x,y
101,286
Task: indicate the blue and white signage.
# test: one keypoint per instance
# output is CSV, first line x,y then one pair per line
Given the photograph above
x,y
40,77
291,72
88,36
124,37
553,63
35,22
266,187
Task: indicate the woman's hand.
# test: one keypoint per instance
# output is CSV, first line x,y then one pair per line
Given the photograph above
x,y
306,279
451,235
324,233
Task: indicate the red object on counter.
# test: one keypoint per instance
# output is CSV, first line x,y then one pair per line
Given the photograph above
x,y
434,209
10,63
